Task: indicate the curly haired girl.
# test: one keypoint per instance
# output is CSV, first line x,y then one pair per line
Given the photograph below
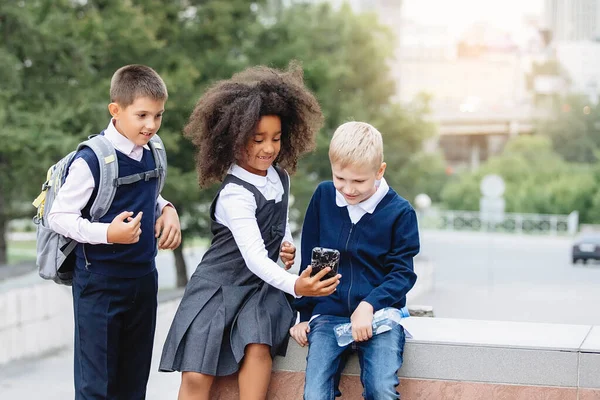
x,y
234,315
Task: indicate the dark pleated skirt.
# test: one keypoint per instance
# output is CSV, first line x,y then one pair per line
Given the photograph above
x,y
214,323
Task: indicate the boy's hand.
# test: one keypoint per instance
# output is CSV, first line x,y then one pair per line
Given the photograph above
x,y
167,228
299,332
124,229
362,322
287,255
307,286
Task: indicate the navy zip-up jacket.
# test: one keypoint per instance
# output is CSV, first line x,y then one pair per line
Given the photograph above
x,y
376,253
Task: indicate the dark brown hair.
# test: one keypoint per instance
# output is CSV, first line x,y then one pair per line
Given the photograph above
x,y
133,81
226,117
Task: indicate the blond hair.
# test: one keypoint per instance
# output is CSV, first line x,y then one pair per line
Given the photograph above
x,y
356,144
134,81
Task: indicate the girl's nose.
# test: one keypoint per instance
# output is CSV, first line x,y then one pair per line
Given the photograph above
x,y
268,148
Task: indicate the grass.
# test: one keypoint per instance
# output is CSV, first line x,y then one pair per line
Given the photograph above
x,y
25,250
20,251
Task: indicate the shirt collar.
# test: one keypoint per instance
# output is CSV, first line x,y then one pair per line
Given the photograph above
x,y
369,204
256,180
121,143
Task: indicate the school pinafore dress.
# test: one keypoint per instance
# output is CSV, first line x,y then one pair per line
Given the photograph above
x,y
225,306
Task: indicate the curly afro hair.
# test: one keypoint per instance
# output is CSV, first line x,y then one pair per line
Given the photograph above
x,y
227,115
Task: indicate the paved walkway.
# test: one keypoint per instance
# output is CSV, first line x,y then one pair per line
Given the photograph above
x,y
51,377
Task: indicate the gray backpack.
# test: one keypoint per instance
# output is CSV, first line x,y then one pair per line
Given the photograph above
x,y
55,256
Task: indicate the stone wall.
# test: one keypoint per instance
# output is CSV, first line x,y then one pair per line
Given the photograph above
x,y
36,319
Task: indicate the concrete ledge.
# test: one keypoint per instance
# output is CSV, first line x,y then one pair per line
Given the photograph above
x,y
589,370
465,359
36,316
36,319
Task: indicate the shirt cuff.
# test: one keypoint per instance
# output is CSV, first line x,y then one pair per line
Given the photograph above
x,y
162,203
98,233
288,287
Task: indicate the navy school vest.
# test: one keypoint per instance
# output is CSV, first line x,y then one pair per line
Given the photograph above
x,y
123,260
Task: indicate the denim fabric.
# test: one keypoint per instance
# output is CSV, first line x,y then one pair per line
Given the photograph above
x,y
380,359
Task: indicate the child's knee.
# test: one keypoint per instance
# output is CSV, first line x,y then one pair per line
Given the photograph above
x,y
257,351
381,389
196,381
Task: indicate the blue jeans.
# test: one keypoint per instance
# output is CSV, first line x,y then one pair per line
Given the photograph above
x,y
380,359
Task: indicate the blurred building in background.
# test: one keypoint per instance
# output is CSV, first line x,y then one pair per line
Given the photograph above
x,y
581,63
488,84
476,84
573,34
572,19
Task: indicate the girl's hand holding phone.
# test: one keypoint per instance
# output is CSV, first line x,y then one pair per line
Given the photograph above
x,y
313,286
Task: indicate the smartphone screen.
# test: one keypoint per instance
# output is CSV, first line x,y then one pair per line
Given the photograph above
x,y
322,258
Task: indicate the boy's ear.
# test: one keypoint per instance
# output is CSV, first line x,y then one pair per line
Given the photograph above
x,y
114,109
381,170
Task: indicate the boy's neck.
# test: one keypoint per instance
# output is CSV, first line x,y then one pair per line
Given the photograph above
x,y
114,124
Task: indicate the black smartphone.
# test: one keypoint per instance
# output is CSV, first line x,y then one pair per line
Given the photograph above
x,y
322,258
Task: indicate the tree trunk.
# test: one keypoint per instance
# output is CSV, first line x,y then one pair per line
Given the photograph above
x,y
3,231
180,267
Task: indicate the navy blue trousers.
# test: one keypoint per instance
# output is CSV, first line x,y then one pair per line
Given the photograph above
x,y
115,320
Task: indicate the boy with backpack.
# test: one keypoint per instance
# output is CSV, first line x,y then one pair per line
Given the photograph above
x,y
114,277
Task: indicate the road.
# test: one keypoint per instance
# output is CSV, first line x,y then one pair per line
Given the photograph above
x,y
512,278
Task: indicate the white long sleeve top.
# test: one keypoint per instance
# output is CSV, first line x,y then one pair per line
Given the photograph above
x,y
236,208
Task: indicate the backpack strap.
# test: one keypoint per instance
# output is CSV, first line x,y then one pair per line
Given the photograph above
x,y
159,171
160,159
142,176
109,172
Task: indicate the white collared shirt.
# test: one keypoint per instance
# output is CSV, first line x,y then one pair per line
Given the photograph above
x,y
356,211
236,208
65,215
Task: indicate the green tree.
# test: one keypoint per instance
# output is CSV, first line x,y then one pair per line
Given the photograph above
x,y
574,129
43,68
57,57
537,180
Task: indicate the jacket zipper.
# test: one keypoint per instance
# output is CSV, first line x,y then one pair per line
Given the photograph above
x,y
350,259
